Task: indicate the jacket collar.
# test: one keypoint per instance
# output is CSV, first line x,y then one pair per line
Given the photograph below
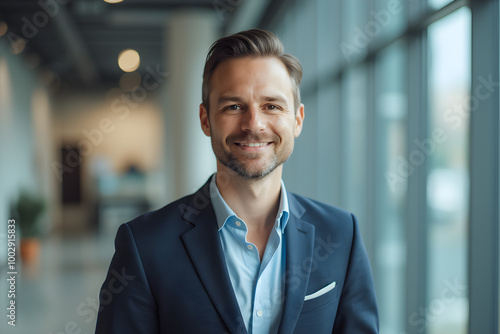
x,y
205,250
299,238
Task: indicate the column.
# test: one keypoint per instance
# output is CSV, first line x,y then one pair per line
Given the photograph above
x,y
189,156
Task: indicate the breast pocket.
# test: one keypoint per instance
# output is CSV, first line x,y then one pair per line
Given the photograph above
x,y
319,298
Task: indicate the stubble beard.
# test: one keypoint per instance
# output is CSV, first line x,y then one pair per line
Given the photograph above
x,y
229,159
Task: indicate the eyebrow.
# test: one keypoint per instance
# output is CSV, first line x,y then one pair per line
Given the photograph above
x,y
276,99
224,99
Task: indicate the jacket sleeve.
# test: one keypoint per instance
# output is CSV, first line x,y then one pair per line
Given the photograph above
x,y
126,302
357,312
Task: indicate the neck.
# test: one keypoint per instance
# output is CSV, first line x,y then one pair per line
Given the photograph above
x,y
254,201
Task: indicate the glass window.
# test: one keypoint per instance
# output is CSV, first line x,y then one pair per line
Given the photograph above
x,y
329,20
306,48
387,18
282,28
447,181
390,197
354,148
355,37
438,4
306,150
329,141
299,172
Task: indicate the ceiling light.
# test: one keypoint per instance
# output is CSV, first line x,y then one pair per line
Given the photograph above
x,y
113,1
129,60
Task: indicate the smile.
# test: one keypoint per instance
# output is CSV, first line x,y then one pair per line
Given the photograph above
x,y
252,144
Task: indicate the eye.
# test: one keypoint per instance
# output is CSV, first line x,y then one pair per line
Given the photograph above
x,y
273,107
232,107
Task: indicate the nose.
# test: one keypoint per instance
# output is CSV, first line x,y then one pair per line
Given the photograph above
x,y
253,120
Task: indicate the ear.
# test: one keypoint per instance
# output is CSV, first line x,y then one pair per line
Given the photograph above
x,y
205,123
299,121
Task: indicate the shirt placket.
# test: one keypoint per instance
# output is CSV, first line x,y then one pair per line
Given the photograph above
x,y
262,303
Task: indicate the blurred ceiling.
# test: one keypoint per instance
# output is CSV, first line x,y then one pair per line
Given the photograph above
x,y
78,41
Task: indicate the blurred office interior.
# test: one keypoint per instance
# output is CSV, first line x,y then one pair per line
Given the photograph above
x,y
402,128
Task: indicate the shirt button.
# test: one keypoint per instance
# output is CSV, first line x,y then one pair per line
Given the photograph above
x,y
237,223
260,313
250,247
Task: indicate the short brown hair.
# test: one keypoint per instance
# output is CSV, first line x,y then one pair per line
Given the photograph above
x,y
250,43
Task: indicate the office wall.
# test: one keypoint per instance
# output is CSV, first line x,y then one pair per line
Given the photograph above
x,y
112,138
25,136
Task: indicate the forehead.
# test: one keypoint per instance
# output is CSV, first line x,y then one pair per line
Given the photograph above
x,y
251,74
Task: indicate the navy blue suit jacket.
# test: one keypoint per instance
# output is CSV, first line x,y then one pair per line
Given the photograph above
x,y
168,273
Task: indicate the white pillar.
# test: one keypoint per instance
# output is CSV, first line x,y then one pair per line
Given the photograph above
x,y
190,159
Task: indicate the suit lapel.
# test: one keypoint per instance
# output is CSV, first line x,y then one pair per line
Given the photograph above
x,y
204,248
299,238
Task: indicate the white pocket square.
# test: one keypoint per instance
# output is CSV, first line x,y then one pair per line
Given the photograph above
x,y
321,292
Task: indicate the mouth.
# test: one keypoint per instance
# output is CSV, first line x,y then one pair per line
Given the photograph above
x,y
253,144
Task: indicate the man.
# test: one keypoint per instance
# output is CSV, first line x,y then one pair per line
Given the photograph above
x,y
242,255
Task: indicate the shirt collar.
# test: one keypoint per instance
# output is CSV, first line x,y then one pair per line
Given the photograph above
x,y
223,211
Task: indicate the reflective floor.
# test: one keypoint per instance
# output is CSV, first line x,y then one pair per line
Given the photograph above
x,y
59,295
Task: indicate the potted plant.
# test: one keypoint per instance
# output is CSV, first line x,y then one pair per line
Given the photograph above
x,y
28,209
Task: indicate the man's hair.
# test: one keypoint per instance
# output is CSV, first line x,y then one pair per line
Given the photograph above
x,y
250,43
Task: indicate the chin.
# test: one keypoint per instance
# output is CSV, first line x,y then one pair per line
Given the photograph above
x,y
255,173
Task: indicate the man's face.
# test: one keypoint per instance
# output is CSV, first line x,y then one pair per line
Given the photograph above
x,y
252,122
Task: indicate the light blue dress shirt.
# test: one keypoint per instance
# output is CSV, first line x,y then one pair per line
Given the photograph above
x,y
258,286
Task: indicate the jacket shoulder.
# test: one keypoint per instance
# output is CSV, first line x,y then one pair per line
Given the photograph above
x,y
326,219
168,218
312,209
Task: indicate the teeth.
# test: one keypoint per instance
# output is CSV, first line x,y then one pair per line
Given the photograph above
x,y
254,144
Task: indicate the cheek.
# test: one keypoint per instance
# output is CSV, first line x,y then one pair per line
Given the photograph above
x,y
221,128
285,127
